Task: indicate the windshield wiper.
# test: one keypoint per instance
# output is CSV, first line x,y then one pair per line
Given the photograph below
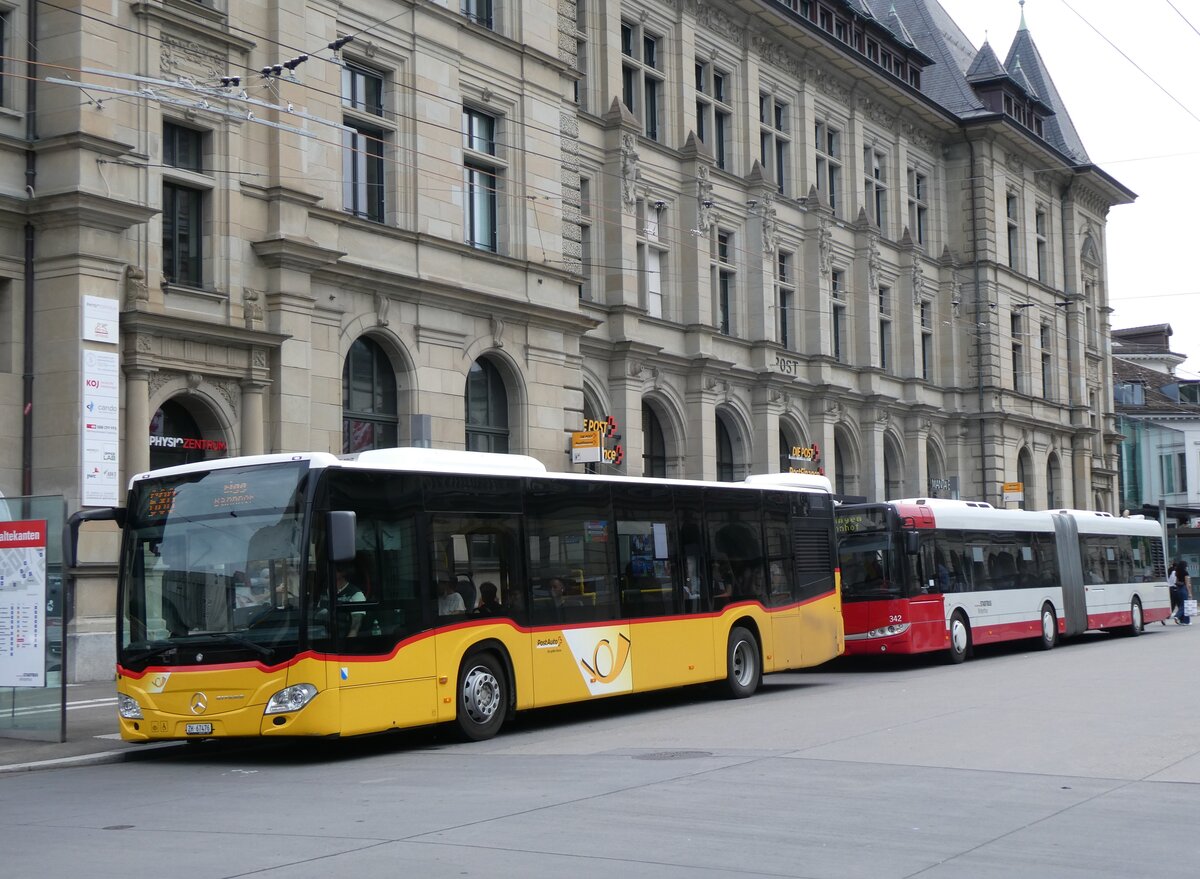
x,y
253,646
146,653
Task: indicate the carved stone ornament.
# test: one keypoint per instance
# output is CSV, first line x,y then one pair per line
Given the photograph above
x,y
704,200
136,288
770,232
825,247
252,309
629,170
182,58
918,283
382,304
497,333
834,410
873,263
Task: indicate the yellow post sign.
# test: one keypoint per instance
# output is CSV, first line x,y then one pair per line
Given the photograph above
x,y
586,447
1014,492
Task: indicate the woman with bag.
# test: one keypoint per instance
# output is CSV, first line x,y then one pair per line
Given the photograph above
x,y
1173,588
1184,584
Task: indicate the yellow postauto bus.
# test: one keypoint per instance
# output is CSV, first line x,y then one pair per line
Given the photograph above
x,y
317,595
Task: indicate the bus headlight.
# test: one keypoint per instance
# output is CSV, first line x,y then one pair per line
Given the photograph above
x,y
128,707
889,631
291,698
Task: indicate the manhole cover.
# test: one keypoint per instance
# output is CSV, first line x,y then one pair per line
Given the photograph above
x,y
672,755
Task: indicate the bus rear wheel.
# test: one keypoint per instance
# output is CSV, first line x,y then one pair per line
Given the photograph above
x,y
482,697
1049,628
743,663
960,639
1136,622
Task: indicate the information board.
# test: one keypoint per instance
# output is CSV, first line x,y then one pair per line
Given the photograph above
x,y
23,603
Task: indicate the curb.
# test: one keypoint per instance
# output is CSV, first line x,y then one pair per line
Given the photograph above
x,y
118,756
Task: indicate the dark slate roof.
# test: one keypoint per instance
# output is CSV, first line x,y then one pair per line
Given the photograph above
x,y
1059,129
986,65
1157,402
936,34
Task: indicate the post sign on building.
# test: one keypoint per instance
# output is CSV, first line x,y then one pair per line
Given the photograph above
x,y
586,447
1014,492
100,413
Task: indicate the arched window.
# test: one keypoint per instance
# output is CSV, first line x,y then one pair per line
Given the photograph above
x,y
724,453
785,449
369,419
487,409
654,445
1023,473
893,471
177,438
1053,486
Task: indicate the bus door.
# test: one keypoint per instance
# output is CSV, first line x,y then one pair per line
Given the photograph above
x,y
581,648
1070,573
929,576
384,669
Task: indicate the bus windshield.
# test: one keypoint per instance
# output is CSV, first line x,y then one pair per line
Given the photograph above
x,y
868,571
212,566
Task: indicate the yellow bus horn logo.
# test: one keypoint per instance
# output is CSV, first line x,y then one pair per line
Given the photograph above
x,y
616,663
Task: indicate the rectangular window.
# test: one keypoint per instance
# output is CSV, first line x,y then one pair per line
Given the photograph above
x,y
478,11
1042,253
1018,352
774,140
642,80
652,256
918,206
785,294
927,340
585,237
714,115
875,186
581,54
363,139
182,235
885,328
183,206
1012,213
837,290
828,145
725,283
482,175
1044,337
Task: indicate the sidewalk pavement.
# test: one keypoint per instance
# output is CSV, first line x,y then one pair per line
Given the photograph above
x,y
92,732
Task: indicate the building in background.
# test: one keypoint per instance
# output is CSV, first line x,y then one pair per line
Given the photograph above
x,y
743,237
1158,418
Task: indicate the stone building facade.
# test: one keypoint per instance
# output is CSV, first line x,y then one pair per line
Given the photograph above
x,y
753,235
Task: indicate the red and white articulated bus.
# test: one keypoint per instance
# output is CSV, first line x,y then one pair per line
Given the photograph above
x,y
923,575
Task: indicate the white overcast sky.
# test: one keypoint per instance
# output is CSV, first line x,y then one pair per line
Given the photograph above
x,y
1142,126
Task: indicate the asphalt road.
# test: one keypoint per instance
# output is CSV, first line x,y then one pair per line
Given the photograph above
x,y
1084,761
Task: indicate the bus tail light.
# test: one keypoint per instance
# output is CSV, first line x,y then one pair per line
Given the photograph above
x,y
291,698
128,707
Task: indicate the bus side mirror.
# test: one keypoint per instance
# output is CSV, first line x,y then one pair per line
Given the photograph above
x,y
75,522
341,535
912,542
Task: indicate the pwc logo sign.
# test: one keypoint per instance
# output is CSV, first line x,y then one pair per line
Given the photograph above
x,y
603,658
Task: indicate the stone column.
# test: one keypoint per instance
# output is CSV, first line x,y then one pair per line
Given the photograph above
x,y
252,418
137,421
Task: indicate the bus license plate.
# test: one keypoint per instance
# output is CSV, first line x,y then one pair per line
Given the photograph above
x,y
199,729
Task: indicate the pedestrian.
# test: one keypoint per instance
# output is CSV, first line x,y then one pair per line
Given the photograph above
x,y
1183,583
1174,591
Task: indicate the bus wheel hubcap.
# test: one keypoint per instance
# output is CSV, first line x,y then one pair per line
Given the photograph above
x,y
480,694
960,636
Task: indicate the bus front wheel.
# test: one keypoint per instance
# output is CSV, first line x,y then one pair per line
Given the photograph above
x,y
960,639
744,667
482,697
